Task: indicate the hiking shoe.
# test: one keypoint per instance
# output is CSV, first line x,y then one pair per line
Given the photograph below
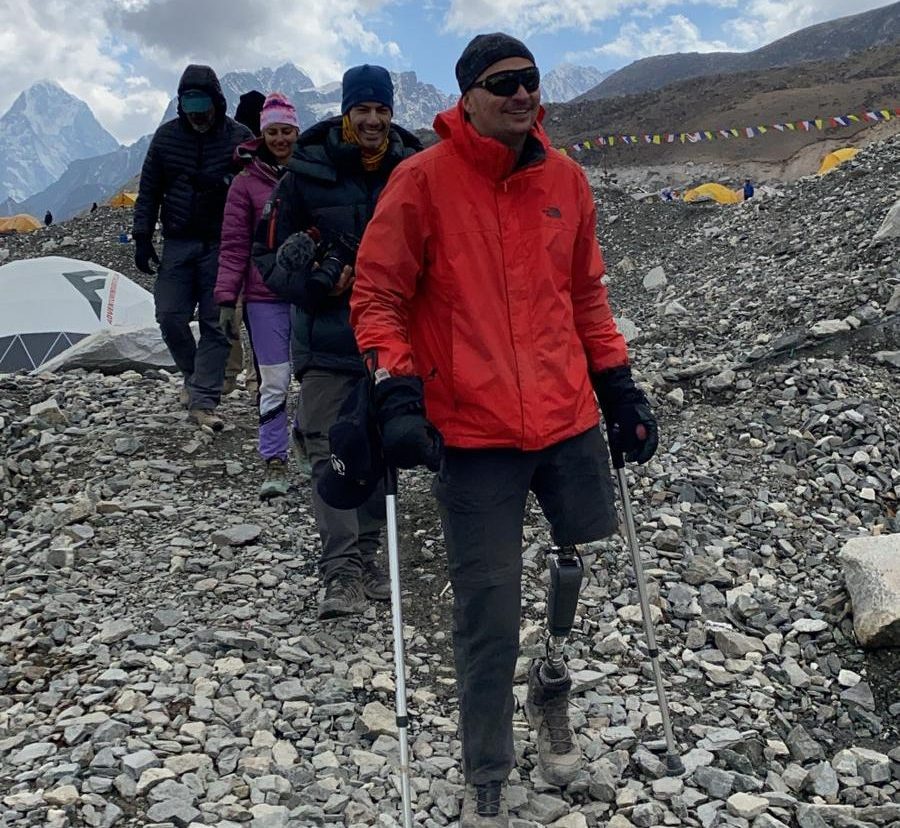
x,y
484,806
229,385
275,483
184,397
547,709
375,581
207,417
343,596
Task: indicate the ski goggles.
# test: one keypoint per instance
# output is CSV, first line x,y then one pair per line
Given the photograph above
x,y
506,84
193,100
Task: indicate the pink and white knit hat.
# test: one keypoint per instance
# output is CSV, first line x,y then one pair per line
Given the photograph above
x,y
277,109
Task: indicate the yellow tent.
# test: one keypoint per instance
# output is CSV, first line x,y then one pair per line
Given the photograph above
x,y
19,223
836,158
123,199
716,192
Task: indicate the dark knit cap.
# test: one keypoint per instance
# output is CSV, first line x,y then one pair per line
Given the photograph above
x,y
367,83
485,50
248,109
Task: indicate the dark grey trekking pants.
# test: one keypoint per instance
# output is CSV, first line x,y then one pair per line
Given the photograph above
x,y
185,282
350,537
482,496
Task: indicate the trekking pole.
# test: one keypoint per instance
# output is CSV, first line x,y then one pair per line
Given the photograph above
x,y
674,765
390,497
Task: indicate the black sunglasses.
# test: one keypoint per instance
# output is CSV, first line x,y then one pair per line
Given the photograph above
x,y
506,84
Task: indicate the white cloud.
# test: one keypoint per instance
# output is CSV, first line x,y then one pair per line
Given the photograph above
x,y
526,17
678,35
763,21
124,57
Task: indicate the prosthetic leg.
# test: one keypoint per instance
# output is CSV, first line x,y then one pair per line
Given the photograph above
x,y
566,572
549,683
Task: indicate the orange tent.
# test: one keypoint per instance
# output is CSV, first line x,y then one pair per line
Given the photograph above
x,y
19,223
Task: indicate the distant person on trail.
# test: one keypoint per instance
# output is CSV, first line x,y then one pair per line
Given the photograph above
x,y
247,113
308,237
479,295
268,315
48,218
94,207
748,189
186,174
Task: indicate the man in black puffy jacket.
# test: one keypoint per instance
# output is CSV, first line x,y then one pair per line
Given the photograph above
x,y
186,175
305,248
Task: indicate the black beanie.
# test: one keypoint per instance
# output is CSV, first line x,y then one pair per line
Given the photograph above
x,y
248,109
366,83
485,50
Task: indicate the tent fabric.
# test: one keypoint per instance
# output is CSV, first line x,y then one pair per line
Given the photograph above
x,y
836,158
19,223
50,303
714,192
123,199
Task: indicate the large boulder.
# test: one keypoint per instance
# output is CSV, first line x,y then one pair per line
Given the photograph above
x,y
872,573
890,227
114,350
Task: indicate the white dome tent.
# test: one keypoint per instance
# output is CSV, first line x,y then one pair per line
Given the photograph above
x,y
51,303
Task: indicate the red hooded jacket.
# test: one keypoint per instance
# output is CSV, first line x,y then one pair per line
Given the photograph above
x,y
484,279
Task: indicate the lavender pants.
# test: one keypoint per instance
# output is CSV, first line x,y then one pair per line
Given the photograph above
x,y
271,326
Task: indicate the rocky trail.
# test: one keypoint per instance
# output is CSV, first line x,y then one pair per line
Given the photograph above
x,y
160,660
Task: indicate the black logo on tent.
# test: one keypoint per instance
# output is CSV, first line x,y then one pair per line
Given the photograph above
x,y
90,284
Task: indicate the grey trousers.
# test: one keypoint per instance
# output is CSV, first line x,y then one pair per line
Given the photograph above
x,y
350,537
482,495
185,282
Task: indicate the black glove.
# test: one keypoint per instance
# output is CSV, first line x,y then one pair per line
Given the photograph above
x,y
227,314
408,439
144,254
625,409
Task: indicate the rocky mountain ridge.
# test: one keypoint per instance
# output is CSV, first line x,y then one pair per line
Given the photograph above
x,y
43,131
832,40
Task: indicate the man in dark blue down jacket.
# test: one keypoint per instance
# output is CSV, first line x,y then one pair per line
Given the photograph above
x,y
186,174
339,168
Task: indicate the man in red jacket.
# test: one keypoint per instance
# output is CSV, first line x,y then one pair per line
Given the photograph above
x,y
479,293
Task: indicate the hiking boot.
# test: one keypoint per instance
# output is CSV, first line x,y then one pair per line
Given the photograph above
x,y
547,709
251,386
343,596
375,581
184,397
229,385
484,806
275,483
207,417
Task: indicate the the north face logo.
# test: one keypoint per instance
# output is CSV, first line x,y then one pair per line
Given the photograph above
x,y
552,212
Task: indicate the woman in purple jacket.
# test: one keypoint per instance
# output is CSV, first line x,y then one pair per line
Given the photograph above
x,y
269,317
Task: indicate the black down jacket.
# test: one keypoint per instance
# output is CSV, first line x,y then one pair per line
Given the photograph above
x,y
186,173
325,187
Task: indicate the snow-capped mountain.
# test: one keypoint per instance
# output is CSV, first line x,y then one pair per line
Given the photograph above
x,y
44,130
567,81
88,180
415,103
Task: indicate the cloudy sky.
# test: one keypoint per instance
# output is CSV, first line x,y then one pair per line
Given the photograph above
x,y
123,57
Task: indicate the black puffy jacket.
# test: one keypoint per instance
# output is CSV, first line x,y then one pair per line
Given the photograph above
x,y
326,187
177,153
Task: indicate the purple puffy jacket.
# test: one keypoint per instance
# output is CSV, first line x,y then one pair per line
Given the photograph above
x,y
247,196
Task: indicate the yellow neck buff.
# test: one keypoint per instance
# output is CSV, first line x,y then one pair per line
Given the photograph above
x,y
371,159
